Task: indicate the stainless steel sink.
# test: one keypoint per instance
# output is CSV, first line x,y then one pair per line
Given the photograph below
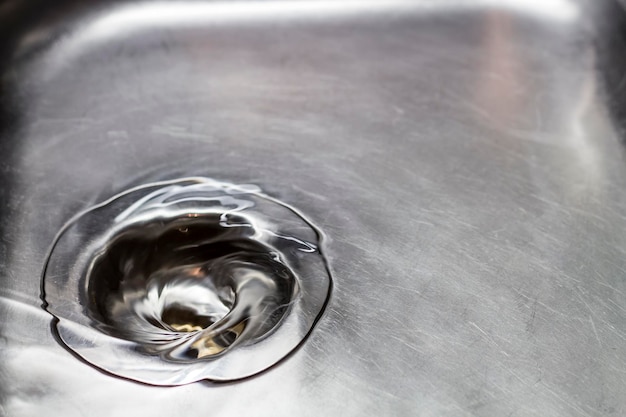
x,y
465,160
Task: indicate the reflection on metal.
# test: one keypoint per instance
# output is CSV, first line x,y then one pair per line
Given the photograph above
x,y
157,14
187,271
125,20
465,158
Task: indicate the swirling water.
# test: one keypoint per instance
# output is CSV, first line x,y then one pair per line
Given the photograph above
x,y
177,281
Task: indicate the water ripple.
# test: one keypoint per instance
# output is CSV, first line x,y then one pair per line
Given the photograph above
x,y
176,281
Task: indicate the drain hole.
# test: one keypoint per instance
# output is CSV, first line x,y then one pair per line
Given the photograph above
x,y
163,282
183,320
156,279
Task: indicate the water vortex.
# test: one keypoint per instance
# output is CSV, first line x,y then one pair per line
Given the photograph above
x,y
176,281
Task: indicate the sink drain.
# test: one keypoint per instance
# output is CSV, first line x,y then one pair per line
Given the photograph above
x,y
173,282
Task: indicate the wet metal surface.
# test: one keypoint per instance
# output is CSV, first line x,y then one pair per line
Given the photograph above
x,y
180,281
466,160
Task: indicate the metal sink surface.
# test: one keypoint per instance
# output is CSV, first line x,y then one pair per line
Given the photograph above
x,y
465,160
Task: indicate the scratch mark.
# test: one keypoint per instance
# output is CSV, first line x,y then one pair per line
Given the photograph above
x,y
616,305
544,305
565,402
604,284
407,344
531,322
595,331
615,331
622,371
398,287
488,338
559,207
477,110
580,295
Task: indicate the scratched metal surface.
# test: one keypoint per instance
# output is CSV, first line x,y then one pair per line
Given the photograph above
x,y
466,160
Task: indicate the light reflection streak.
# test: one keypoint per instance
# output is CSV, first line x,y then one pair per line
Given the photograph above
x,y
155,14
128,19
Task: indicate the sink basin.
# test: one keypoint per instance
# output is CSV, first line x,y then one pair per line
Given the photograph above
x,y
464,159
